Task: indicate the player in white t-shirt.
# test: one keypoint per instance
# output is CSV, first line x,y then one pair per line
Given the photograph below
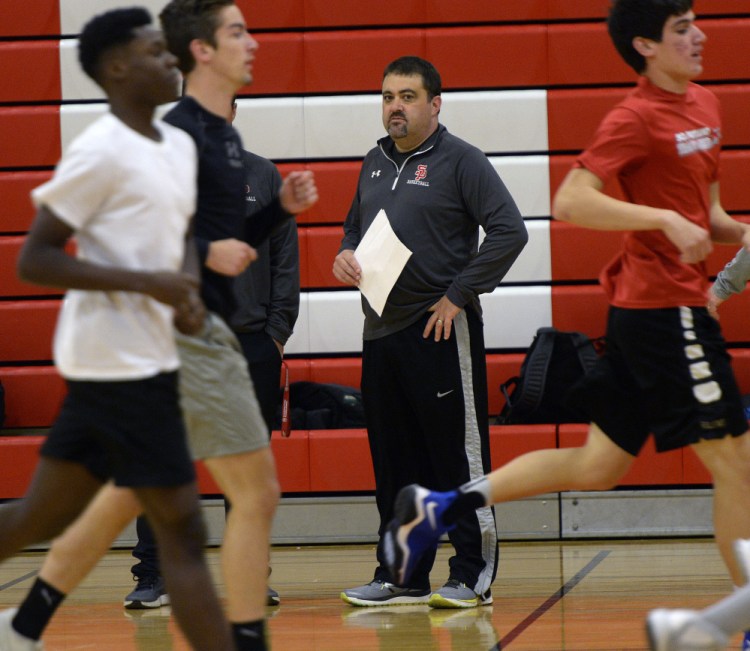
x,y
225,425
125,190
128,199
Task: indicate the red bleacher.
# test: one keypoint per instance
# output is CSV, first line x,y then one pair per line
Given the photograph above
x,y
326,48
531,55
306,460
44,20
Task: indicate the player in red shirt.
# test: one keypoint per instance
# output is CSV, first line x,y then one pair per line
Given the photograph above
x,y
665,370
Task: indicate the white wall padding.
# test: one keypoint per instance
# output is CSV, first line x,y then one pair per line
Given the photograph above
x,y
331,322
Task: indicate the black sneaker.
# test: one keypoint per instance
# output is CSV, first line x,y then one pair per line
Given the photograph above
x,y
149,593
272,597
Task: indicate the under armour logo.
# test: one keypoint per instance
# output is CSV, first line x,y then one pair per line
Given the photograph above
x,y
375,173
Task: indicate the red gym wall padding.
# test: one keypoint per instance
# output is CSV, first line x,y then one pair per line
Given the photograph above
x,y
30,136
30,70
35,18
16,209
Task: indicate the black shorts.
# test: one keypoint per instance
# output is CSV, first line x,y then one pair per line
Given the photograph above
x,y
666,372
130,431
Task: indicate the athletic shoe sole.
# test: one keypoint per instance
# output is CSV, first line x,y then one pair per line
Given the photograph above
x,y
393,601
135,604
409,513
439,601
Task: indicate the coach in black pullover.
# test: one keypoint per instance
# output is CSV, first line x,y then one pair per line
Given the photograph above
x,y
423,367
435,199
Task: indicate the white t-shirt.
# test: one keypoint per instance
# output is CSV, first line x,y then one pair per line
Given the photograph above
x,y
129,200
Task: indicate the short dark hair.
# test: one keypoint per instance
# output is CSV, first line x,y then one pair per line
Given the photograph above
x,y
410,65
182,21
629,19
105,32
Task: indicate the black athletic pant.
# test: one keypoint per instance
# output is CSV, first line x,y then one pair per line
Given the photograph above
x,y
426,410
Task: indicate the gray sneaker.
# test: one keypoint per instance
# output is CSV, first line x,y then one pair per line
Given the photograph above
x,y
149,593
382,593
455,594
10,640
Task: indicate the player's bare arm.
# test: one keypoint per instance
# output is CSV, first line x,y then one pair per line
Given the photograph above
x,y
581,201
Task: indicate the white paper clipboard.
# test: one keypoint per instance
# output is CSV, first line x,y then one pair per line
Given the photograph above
x,y
382,257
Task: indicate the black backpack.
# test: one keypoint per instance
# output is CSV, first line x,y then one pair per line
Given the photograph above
x,y
317,405
555,361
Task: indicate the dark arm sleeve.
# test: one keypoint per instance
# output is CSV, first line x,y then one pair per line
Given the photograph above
x,y
488,201
285,285
264,222
352,224
201,246
283,308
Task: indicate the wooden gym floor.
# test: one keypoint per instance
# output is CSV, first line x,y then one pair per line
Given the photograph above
x,y
573,596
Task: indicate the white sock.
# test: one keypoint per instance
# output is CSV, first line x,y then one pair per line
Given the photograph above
x,y
731,614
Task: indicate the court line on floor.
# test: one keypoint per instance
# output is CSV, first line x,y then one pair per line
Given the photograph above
x,y
18,580
541,610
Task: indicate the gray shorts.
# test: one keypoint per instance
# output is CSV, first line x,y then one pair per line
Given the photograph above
x,y
218,401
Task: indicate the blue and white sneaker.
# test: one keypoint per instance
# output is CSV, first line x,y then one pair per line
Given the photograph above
x,y
746,642
416,528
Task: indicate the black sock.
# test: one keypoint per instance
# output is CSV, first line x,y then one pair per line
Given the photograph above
x,y
37,609
463,504
471,496
250,636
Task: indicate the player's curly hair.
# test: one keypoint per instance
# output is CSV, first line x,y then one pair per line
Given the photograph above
x,y
105,32
185,20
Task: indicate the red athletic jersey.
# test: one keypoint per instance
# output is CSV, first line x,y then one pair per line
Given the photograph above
x,y
664,150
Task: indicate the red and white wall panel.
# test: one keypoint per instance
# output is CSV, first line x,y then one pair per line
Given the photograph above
x,y
527,81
